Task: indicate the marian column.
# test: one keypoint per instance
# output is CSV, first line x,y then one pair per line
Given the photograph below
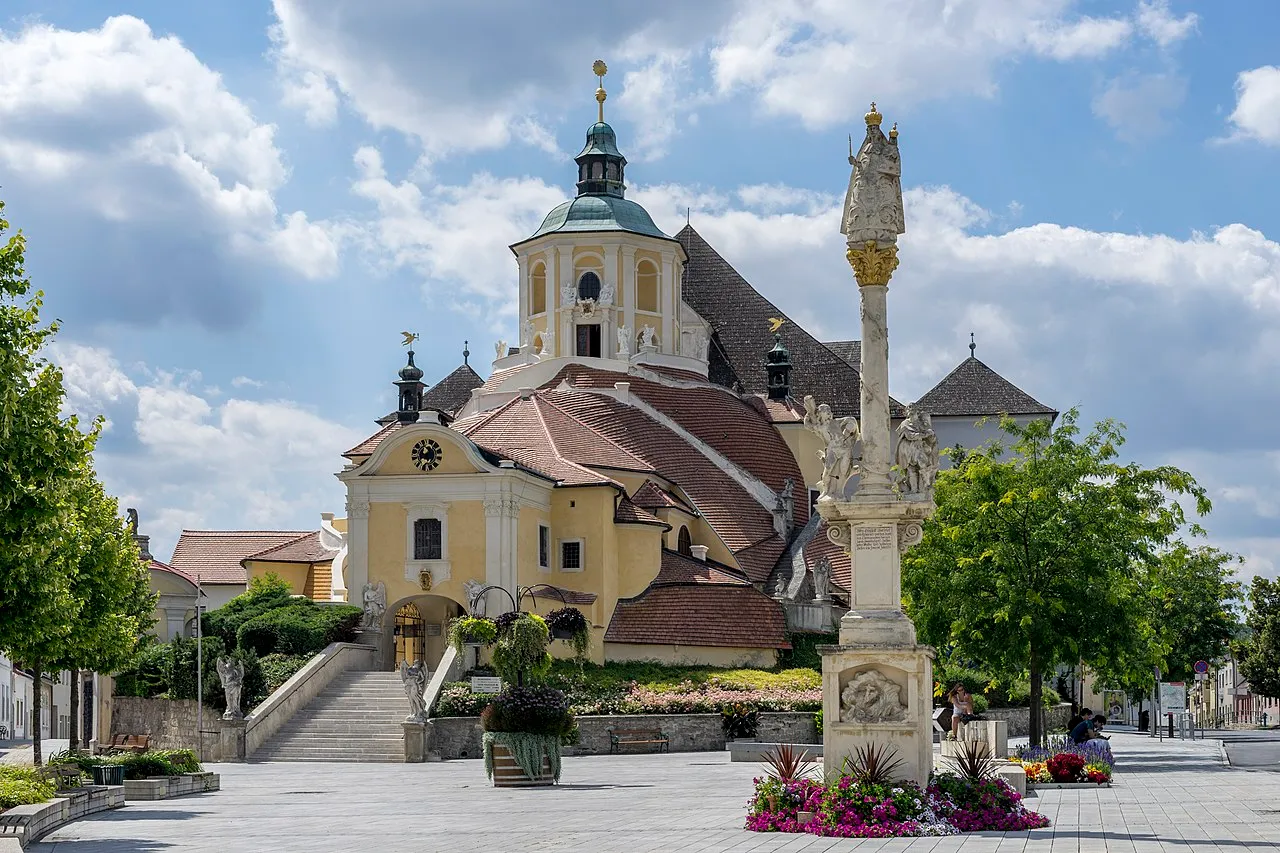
x,y
878,682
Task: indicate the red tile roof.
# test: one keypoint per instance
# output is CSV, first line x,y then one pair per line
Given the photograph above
x,y
214,555
692,603
788,411
371,443
165,567
651,496
305,549
629,513
518,431
570,596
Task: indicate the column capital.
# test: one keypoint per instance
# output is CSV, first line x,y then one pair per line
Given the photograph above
x,y
872,264
357,508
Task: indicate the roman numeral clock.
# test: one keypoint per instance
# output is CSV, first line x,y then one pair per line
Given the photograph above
x,y
426,455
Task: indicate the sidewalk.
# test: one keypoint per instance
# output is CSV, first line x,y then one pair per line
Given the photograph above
x,y
21,751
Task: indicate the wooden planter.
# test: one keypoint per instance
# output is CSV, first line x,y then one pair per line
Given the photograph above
x,y
507,774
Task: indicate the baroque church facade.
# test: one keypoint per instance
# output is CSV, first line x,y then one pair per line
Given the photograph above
x,y
640,453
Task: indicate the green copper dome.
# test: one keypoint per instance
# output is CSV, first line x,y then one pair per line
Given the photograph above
x,y
601,140
599,213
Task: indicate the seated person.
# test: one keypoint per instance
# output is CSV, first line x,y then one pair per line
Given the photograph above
x,y
961,708
1088,730
1078,718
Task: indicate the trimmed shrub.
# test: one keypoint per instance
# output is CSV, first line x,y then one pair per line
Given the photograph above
x,y
301,627
277,669
21,786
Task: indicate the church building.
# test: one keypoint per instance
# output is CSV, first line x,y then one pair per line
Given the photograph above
x,y
640,453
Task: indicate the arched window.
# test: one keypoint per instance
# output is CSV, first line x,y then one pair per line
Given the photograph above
x,y
684,542
426,539
589,286
597,169
538,297
646,286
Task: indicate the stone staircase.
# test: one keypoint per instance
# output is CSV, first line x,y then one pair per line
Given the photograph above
x,y
356,718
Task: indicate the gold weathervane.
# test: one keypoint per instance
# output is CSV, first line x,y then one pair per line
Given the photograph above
x,y
600,69
775,323
409,338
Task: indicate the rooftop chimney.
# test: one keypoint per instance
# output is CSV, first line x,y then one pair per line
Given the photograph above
x,y
699,552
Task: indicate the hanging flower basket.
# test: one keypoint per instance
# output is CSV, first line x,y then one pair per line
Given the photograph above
x,y
569,624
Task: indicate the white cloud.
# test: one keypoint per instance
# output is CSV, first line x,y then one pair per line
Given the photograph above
x,y
1161,26
246,382
185,459
1086,38
1257,112
1137,105
134,130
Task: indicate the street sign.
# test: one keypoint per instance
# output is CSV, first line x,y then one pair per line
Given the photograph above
x,y
1202,676
1202,667
1173,697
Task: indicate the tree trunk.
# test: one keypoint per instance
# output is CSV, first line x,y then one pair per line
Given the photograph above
x,y
1036,701
36,701
75,711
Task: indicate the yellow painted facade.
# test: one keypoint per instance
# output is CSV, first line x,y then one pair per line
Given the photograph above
x,y
310,579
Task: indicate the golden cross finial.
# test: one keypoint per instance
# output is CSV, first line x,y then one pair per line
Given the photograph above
x,y
409,338
600,69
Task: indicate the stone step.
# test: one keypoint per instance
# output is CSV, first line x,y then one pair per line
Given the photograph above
x,y
289,754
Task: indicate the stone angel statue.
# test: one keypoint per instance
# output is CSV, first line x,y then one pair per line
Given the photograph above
x,y
231,672
839,437
131,515
624,342
548,342
373,598
648,334
499,349
917,456
475,597
414,678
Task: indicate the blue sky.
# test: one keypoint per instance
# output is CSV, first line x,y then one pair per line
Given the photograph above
x,y
236,207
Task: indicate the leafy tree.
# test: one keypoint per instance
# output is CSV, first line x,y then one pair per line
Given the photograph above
x,y
1030,560
1259,653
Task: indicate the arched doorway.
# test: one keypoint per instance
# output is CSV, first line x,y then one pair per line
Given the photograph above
x,y
410,634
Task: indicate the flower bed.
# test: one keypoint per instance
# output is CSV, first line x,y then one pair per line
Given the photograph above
x,y
853,809
1063,762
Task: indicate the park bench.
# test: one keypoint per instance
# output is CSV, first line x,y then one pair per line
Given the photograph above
x,y
129,743
64,776
619,738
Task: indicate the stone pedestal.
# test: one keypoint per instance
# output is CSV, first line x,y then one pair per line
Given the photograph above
x,y
231,739
417,741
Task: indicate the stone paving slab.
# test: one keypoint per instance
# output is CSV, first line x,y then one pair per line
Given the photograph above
x,y
1170,796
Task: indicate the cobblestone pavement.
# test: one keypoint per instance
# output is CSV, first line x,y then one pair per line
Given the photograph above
x,y
1170,796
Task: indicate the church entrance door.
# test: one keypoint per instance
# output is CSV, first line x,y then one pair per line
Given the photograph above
x,y
410,634
589,340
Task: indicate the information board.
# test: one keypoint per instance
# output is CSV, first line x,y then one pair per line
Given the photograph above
x,y
486,684
1173,697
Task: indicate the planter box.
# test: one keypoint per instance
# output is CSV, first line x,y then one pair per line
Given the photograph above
x,y
507,774
31,823
164,787
1044,786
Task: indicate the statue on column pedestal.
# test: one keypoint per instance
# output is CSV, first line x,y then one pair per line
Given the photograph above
x,y
839,436
917,457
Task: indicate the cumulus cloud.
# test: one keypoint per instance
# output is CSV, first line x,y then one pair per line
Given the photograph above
x,y
186,459
117,132
1137,106
1257,112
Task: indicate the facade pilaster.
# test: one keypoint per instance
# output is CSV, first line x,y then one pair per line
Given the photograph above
x,y
357,543
629,295
666,298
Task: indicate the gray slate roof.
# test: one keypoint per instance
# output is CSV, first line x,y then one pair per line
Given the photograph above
x,y
739,316
975,390
850,351
448,395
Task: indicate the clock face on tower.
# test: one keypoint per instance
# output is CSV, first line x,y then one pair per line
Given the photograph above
x,y
426,454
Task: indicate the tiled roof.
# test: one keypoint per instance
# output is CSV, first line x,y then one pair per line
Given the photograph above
x,y
305,549
629,513
448,395
788,411
214,555
518,431
739,316
652,496
698,604
570,596
850,351
975,390
371,443
165,567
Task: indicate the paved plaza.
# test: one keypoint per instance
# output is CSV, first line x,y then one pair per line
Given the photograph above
x,y
1173,796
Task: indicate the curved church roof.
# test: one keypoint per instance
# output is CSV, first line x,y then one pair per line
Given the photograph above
x,y
599,213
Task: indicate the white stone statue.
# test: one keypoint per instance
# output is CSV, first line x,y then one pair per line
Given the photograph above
x,y
526,337
231,672
873,203
499,349
548,343
415,679
373,598
568,293
872,697
822,580
786,505
839,437
648,334
475,597
624,342
917,456
607,291
698,340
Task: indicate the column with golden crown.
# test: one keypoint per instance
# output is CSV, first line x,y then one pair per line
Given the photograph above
x,y
878,682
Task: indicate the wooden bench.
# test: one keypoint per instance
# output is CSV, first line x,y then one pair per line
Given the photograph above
x,y
619,738
129,743
64,776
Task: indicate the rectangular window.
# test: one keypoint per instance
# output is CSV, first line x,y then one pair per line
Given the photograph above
x,y
571,555
588,342
426,539
544,546
813,501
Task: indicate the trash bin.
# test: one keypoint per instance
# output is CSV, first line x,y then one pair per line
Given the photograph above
x,y
108,774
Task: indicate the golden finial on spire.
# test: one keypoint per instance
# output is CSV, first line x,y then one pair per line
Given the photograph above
x,y
893,131
600,69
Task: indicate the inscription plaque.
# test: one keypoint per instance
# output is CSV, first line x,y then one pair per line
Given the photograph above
x,y
874,537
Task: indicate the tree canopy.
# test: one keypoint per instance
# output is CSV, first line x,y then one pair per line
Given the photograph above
x,y
1259,653
1034,555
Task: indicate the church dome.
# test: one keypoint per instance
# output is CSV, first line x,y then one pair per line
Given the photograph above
x,y
599,213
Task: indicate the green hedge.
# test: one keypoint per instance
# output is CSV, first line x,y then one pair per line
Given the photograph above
x,y
299,627
277,669
137,765
22,786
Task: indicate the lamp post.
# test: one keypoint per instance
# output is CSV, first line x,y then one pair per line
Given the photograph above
x,y
199,674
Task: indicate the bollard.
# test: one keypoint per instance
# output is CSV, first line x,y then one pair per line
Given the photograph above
x,y
1170,724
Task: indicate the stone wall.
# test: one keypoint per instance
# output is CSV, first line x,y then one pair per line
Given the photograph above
x,y
1019,719
170,723
460,737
